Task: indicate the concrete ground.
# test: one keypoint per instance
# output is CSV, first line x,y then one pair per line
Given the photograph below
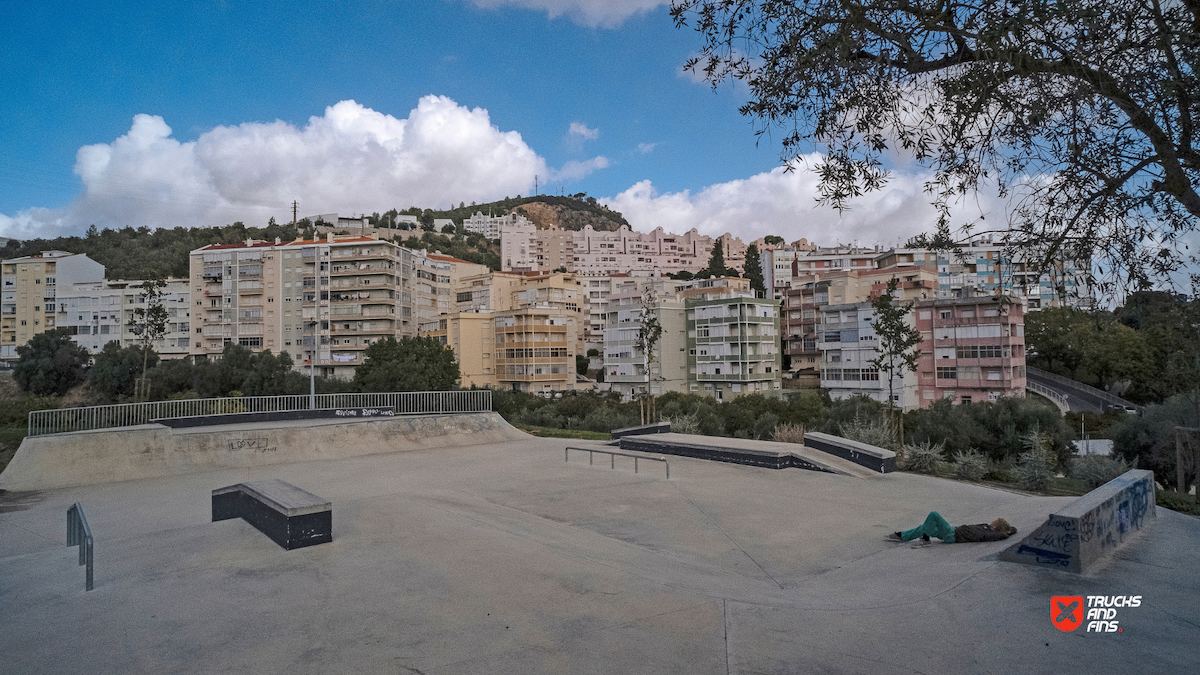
x,y
503,558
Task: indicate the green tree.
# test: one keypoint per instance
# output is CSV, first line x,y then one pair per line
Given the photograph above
x,y
581,364
1083,112
50,363
1056,339
716,264
149,323
648,334
753,269
897,339
773,240
115,370
407,364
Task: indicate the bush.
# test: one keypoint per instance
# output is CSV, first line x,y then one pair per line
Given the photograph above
x,y
970,465
765,426
923,458
684,424
871,430
1096,470
788,433
1035,466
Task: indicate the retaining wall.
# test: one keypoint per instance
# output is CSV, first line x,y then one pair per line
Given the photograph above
x,y
154,450
1090,528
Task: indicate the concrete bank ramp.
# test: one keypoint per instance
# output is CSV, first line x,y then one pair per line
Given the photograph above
x,y
1090,528
154,450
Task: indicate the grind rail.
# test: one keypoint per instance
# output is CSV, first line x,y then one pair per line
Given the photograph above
x,y
44,422
613,458
79,534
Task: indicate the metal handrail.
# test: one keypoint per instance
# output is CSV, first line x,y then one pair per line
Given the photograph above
x,y
79,534
43,422
613,457
1055,397
1084,389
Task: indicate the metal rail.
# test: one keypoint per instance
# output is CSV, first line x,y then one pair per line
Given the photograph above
x,y
1055,397
613,458
1080,390
43,422
79,534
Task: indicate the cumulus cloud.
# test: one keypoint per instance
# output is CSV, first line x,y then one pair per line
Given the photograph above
x,y
784,203
582,131
591,13
350,159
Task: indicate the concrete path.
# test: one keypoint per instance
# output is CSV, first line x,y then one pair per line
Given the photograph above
x,y
503,558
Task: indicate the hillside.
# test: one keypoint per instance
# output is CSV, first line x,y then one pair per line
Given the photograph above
x,y
569,212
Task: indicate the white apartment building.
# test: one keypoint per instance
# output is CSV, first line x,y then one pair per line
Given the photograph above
x,y
625,366
492,226
848,344
97,313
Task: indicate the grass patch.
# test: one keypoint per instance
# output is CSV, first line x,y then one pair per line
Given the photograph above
x,y
578,434
10,440
1176,502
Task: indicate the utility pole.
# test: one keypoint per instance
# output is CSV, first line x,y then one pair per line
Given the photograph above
x,y
294,205
535,185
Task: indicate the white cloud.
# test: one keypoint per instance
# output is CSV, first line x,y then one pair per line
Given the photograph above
x,y
784,203
574,170
646,148
350,159
581,130
592,13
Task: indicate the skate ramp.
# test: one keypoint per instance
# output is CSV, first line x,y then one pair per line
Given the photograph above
x,y
155,450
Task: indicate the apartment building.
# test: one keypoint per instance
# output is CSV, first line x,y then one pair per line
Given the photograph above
x,y
28,294
802,304
733,346
470,335
518,246
491,226
987,267
973,349
625,365
848,344
96,313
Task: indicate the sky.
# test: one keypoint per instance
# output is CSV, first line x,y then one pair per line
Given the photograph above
x,y
202,113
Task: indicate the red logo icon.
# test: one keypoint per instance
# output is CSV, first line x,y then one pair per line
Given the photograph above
x,y
1066,612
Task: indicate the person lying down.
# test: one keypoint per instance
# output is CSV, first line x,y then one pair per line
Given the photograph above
x,y
936,526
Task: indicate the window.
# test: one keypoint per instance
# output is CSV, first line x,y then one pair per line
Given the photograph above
x,y
949,373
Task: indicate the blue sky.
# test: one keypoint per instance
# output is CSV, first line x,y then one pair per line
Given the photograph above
x,y
205,112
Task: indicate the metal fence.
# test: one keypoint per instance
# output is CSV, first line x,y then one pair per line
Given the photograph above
x,y
43,422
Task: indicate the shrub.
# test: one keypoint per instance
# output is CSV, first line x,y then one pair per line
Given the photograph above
x,y
788,433
1035,466
1096,470
923,458
870,430
970,465
684,424
765,426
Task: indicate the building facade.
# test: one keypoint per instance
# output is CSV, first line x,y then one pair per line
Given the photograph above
x,y
973,349
733,346
29,294
627,369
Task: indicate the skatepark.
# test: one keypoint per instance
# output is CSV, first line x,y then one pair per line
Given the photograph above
x,y
463,545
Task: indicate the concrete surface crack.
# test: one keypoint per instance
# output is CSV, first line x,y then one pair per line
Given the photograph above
x,y
731,539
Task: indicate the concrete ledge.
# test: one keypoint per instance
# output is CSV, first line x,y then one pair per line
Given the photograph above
x,y
291,517
658,428
876,459
1090,528
766,454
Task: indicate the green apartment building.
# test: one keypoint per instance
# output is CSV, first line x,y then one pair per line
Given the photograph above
x,y
733,347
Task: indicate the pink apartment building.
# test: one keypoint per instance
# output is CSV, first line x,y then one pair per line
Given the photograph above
x,y
973,349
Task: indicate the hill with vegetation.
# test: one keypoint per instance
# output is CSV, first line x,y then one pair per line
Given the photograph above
x,y
570,212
